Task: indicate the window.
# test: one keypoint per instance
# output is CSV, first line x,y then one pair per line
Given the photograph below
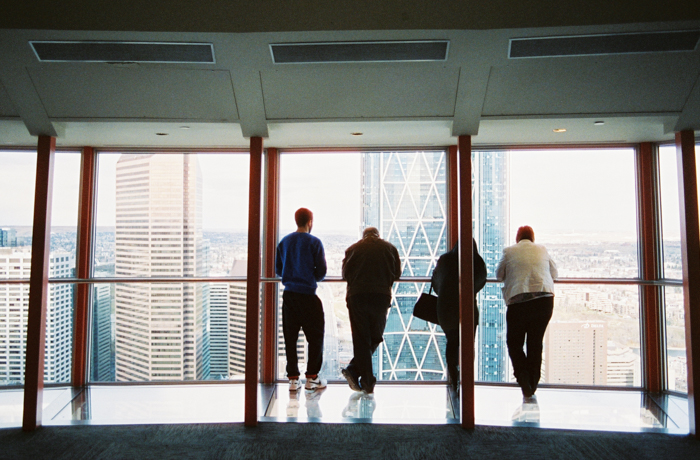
x,y
581,205
402,193
174,216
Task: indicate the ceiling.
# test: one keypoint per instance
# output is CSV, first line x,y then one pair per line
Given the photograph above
x,y
477,90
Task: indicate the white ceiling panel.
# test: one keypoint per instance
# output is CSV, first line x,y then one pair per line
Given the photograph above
x,y
346,91
94,91
651,83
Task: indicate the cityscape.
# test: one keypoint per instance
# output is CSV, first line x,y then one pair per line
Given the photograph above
x,y
196,331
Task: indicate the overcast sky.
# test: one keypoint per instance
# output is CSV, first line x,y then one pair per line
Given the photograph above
x,y
553,191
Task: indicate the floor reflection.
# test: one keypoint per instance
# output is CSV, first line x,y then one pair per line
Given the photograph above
x,y
360,406
600,410
528,414
338,403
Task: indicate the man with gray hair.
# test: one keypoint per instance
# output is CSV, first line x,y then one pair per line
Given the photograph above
x,y
370,267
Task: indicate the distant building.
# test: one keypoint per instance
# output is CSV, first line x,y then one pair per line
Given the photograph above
x,y
490,224
14,304
161,329
101,356
218,330
404,196
237,320
624,367
8,237
575,353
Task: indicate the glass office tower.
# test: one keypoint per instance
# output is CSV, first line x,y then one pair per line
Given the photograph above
x,y
404,195
161,329
490,226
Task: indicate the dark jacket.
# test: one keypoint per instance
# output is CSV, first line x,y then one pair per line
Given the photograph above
x,y
371,266
445,283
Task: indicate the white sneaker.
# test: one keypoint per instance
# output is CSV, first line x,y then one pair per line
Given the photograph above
x,y
294,384
316,384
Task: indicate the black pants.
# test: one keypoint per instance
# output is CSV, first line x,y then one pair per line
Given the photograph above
x,y
528,319
303,311
367,321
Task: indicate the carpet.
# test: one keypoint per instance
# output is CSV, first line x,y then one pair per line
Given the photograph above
x,y
336,441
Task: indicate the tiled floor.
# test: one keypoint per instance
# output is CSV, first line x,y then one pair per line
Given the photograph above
x,y
602,410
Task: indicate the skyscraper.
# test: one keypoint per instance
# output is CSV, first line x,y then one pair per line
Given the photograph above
x,y
14,304
218,329
575,353
237,320
101,366
161,329
8,237
490,226
404,196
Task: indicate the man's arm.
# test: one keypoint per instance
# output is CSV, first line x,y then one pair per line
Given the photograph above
x,y
553,269
397,263
320,263
501,269
343,271
278,261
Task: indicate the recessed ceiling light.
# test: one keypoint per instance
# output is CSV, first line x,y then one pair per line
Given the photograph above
x,y
184,127
598,123
559,130
161,134
357,134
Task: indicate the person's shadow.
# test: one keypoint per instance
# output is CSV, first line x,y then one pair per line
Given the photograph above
x,y
528,414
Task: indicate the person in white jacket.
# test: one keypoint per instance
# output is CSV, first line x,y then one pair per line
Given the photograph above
x,y
528,275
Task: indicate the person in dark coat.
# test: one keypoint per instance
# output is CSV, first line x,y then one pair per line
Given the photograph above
x,y
370,267
445,282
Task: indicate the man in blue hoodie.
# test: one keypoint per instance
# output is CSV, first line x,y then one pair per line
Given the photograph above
x,y
301,262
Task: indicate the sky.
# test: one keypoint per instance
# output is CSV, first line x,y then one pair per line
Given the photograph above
x,y
553,191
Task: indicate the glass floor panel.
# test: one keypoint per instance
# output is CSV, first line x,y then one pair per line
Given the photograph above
x,y
12,401
605,410
599,410
410,404
152,404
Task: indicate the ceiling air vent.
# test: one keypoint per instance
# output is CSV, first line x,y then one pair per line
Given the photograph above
x,y
385,51
146,52
590,45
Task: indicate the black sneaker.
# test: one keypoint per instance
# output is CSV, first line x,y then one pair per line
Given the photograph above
x,y
352,380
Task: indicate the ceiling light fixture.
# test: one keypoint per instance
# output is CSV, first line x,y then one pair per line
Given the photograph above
x,y
184,127
161,134
559,130
598,123
357,134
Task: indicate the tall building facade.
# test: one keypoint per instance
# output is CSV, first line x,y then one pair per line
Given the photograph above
x,y
575,353
161,329
8,237
101,351
404,196
237,321
218,330
490,229
14,306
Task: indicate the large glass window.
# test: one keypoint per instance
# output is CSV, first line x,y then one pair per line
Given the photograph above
x,y
17,180
402,193
670,218
676,360
176,216
581,205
